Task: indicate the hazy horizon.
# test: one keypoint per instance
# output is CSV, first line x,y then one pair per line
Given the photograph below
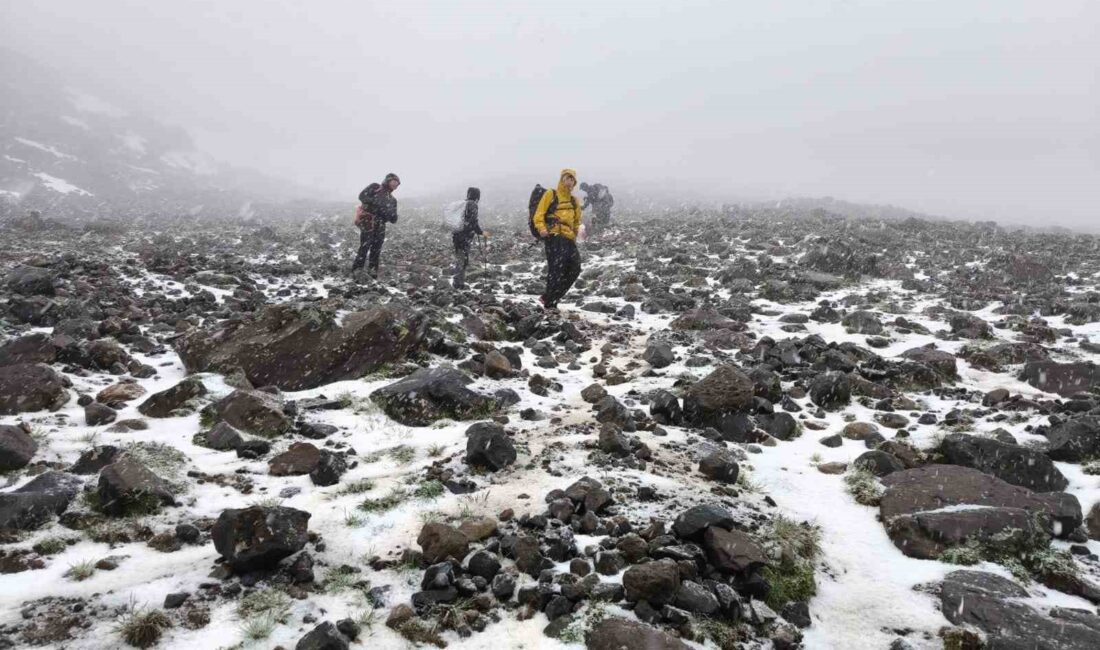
x,y
981,110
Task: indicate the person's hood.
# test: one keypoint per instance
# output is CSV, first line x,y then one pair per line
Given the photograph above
x,y
473,194
562,189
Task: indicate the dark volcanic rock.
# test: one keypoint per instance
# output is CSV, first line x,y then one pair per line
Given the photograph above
x,y
693,522
258,537
30,387
17,447
658,354
996,606
323,350
37,347
96,414
440,541
252,411
300,458
722,393
929,509
654,582
624,634
1065,379
323,637
33,504
1010,463
1074,440
943,363
127,485
487,445
831,390
732,551
879,463
161,405
720,466
31,281
431,394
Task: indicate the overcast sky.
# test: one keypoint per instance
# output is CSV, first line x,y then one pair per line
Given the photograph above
x,y
987,109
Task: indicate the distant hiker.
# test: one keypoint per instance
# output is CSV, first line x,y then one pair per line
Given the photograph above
x,y
557,220
463,236
599,197
377,207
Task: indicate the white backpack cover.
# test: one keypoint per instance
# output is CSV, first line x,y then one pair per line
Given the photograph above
x,y
452,215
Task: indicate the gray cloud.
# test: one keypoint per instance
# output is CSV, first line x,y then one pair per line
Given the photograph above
x,y
964,108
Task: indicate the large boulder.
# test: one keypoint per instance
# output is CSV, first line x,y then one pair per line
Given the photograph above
x,y
930,509
862,322
251,411
300,346
1010,463
258,537
1065,379
438,541
325,636
655,582
488,446
36,502
831,390
1002,610
431,394
300,458
31,281
617,633
1074,440
17,447
943,363
724,393
31,387
162,404
37,347
733,551
127,486
705,318
693,522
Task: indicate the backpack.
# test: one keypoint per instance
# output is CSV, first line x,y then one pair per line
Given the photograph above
x,y
454,215
364,219
533,206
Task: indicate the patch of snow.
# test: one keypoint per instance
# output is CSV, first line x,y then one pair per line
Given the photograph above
x,y
61,185
44,147
75,121
133,142
86,103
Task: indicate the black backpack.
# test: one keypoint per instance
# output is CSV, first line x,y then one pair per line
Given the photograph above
x,y
533,206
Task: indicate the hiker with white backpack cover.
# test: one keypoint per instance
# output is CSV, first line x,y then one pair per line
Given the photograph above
x,y
463,231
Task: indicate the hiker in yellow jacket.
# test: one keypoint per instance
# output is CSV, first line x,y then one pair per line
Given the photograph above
x,y
558,220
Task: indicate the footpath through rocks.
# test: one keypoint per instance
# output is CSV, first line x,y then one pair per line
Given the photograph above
x,y
759,430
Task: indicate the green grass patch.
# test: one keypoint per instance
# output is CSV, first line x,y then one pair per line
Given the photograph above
x,y
389,501
863,486
264,602
429,490
142,628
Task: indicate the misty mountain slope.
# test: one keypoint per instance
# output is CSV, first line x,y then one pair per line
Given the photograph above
x,y
68,153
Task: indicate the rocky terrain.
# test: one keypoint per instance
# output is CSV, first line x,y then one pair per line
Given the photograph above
x,y
755,429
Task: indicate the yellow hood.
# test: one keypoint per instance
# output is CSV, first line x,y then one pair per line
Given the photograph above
x,y
562,189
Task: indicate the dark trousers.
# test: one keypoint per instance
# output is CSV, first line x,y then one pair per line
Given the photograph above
x,y
462,242
563,265
370,247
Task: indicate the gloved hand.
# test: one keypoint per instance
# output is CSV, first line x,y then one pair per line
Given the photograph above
x,y
485,234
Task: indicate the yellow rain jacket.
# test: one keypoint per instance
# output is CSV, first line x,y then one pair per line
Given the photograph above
x,y
566,218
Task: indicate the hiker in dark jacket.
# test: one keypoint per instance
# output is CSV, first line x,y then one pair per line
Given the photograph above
x,y
464,236
378,207
599,197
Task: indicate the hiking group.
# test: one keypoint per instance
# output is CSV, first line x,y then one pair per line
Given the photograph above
x,y
554,217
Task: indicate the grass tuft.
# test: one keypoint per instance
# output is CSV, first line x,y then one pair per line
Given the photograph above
x,y
81,571
863,486
142,628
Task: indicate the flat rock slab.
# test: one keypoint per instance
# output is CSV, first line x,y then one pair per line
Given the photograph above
x,y
992,604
